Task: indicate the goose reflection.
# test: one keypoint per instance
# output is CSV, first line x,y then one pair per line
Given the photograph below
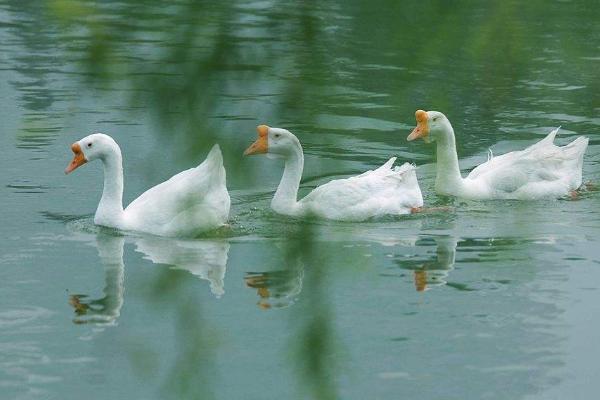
x,y
433,272
276,289
104,310
206,259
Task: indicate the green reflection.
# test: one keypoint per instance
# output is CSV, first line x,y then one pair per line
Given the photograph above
x,y
191,374
315,342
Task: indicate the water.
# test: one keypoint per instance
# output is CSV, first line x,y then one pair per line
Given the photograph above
x,y
491,300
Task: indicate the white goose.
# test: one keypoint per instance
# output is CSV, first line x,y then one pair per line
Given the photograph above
x,y
384,191
542,170
191,202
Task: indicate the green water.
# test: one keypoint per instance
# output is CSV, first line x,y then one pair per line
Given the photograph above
x,y
483,300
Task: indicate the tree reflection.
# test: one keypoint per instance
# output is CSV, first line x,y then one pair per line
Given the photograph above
x,y
191,375
314,343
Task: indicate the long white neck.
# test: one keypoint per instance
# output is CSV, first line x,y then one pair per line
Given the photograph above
x,y
448,179
285,200
110,250
110,208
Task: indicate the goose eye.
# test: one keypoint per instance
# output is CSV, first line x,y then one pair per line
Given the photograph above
x,y
435,119
90,144
277,135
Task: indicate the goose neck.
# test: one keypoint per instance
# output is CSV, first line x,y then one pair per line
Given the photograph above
x,y
448,179
285,200
110,208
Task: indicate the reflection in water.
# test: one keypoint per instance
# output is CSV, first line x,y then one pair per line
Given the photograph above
x,y
104,310
315,339
431,273
190,375
276,288
30,53
206,259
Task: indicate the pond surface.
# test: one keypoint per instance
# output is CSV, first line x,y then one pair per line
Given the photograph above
x,y
478,300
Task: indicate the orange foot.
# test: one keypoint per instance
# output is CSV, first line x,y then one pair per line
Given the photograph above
x,y
415,210
573,194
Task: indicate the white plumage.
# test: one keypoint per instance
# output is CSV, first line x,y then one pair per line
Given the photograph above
x,y
543,170
190,202
540,171
386,190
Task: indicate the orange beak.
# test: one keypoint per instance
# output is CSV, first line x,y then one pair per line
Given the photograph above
x,y
422,129
78,159
420,280
261,145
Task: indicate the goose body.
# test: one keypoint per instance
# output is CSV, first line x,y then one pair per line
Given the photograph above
x,y
193,201
386,190
542,170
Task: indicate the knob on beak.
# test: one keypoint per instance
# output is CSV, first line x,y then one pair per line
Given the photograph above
x,y
422,128
261,145
78,158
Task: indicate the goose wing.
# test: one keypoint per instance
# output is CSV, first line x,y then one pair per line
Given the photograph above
x,y
193,200
540,168
386,190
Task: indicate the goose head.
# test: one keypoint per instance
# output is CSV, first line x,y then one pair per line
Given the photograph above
x,y
431,126
92,147
274,142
